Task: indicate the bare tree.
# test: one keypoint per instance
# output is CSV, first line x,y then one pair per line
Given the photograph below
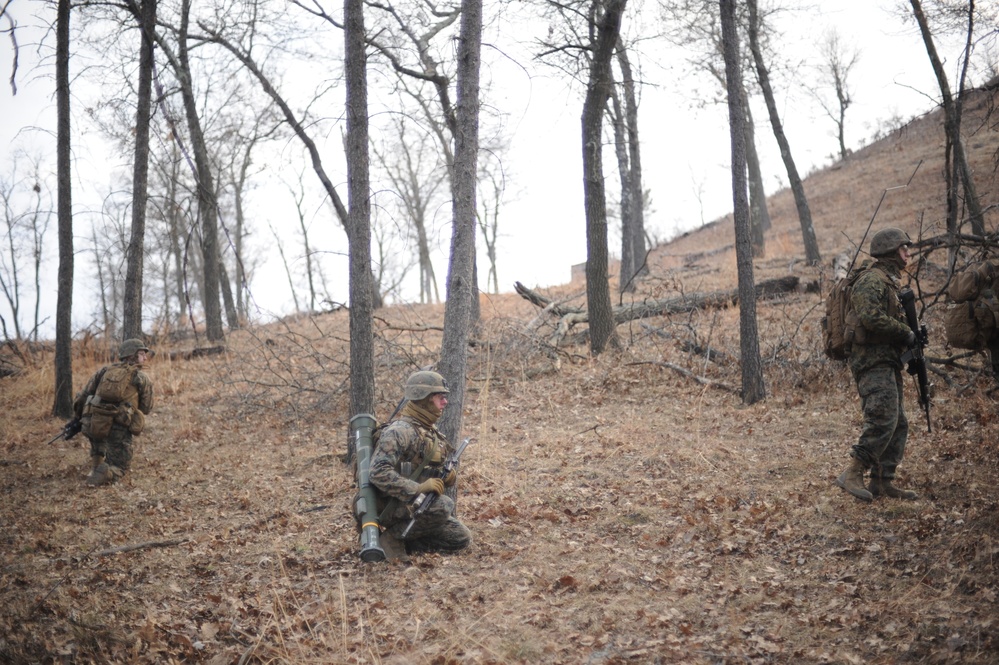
x,y
696,26
605,30
362,364
632,214
412,167
753,389
287,268
27,211
492,186
132,318
838,62
62,405
812,254
180,63
460,278
952,112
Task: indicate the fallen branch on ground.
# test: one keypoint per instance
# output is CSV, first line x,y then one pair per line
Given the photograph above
x,y
197,353
690,375
570,316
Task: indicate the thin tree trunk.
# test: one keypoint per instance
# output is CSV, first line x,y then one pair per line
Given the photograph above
x,y
62,404
608,28
460,282
952,116
132,309
176,249
753,389
759,215
362,366
627,266
207,209
812,254
637,225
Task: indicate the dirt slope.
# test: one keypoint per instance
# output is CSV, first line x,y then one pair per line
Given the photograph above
x,y
626,508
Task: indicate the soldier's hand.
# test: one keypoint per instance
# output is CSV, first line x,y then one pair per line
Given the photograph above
x,y
431,485
910,339
451,479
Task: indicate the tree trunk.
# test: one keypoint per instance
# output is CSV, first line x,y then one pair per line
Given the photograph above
x,y
637,225
952,118
362,367
458,308
753,389
177,249
225,287
759,215
207,211
62,404
608,28
627,266
132,310
812,254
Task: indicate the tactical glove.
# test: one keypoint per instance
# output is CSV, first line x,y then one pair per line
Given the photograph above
x,y
431,486
910,339
451,478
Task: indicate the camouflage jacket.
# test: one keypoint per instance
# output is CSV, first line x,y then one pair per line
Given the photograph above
x,y
876,304
402,447
142,383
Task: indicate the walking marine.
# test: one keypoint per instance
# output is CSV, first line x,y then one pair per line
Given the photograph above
x,y
409,460
881,339
112,408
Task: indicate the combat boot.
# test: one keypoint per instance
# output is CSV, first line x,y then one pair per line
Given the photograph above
x,y
852,480
100,475
883,487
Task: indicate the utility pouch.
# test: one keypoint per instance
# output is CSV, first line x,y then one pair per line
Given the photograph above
x,y
98,418
137,422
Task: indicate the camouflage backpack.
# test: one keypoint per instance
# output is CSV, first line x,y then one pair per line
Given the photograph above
x,y
111,402
840,326
972,320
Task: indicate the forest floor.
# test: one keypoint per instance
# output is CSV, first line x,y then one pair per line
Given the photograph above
x,y
621,512
625,508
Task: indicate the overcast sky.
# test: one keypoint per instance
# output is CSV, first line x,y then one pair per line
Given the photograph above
x,y
685,150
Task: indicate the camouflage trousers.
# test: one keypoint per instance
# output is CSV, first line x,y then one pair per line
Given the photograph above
x,y
886,429
436,530
115,449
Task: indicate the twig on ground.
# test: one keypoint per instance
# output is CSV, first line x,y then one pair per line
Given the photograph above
x,y
690,375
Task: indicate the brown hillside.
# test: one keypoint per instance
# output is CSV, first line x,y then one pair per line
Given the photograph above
x,y
626,508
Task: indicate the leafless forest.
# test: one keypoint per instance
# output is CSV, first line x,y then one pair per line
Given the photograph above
x,y
626,507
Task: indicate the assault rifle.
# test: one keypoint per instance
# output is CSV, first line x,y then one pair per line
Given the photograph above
x,y
69,430
916,362
423,501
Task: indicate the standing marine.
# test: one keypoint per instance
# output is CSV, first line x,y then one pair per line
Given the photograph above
x,y
407,462
112,408
881,338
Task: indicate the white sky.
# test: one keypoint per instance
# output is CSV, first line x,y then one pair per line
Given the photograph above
x,y
542,223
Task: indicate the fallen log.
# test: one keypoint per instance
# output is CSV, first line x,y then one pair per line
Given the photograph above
x,y
197,353
570,316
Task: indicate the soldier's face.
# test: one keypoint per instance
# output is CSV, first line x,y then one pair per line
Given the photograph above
x,y
140,357
439,400
903,253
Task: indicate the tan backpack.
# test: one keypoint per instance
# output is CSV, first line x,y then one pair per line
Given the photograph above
x,y
115,400
972,320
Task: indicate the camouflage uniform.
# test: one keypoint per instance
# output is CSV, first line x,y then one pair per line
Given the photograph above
x,y
115,450
402,447
876,365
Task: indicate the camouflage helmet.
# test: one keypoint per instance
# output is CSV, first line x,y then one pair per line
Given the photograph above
x,y
887,241
130,347
423,384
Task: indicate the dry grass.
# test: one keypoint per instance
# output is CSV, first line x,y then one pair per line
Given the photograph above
x,y
621,511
